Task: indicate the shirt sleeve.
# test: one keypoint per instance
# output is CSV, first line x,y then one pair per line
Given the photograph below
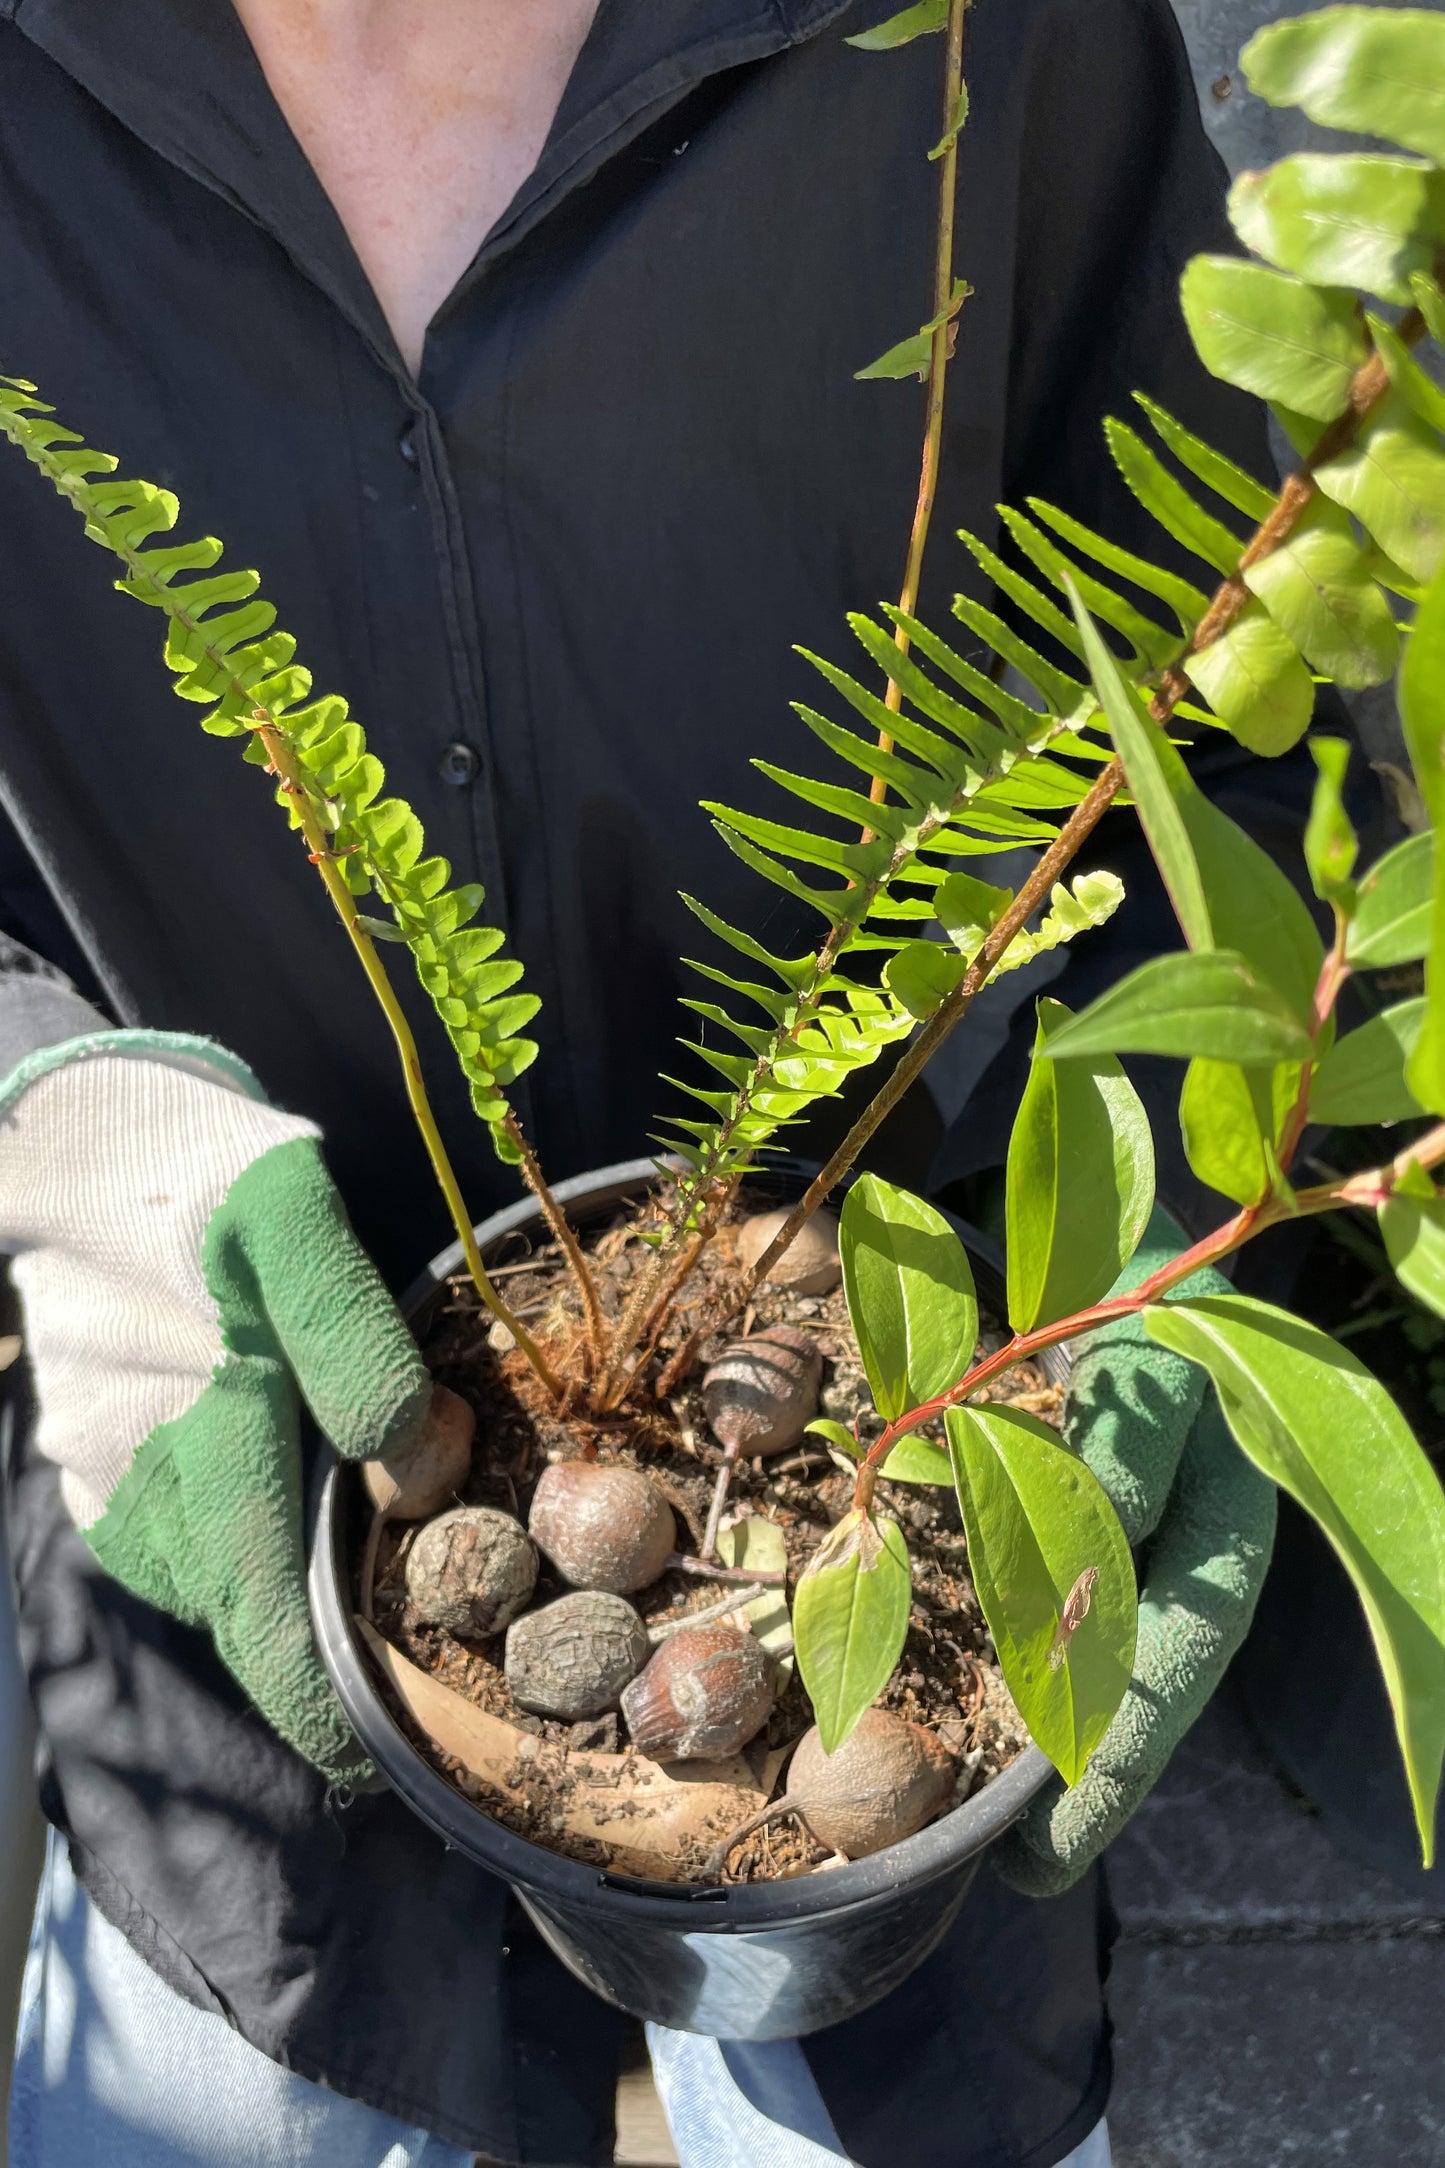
x,y
38,1005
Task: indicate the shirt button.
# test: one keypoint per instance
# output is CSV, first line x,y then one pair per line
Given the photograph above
x,y
459,766
406,443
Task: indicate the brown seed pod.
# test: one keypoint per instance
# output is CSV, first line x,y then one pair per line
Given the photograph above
x,y
602,1527
762,1392
884,1782
810,1265
573,1657
704,1694
408,1486
471,1570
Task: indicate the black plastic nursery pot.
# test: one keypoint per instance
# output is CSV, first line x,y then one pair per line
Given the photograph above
x,y
763,1961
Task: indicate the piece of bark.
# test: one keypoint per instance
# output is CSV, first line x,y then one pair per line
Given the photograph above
x,y
654,1822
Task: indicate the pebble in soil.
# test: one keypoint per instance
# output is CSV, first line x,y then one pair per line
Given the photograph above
x,y
947,1678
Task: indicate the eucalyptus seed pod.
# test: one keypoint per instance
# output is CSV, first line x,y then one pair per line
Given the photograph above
x,y
407,1486
762,1392
707,1690
602,1527
471,1570
884,1782
573,1657
810,1265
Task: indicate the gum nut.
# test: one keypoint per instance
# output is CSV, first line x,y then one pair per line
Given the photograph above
x,y
573,1657
602,1527
884,1782
703,1695
471,1570
810,1265
762,1392
433,1468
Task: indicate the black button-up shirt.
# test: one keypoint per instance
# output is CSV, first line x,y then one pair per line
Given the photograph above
x,y
559,577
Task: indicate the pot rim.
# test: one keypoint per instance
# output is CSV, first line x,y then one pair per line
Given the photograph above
x,y
689,1907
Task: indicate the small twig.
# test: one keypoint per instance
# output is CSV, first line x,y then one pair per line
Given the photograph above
x,y
763,1819
571,1248
720,1491
666,1628
683,1562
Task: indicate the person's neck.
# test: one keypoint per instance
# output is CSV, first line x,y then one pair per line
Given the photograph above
x,y
421,119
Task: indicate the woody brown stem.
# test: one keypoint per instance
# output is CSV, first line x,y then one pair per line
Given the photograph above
x,y
563,1235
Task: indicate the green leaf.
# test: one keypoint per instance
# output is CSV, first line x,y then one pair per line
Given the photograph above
x,y
923,975
901,29
1344,221
850,1619
910,1294
1393,480
1226,1114
1211,1004
1318,1424
1209,466
914,356
914,1460
1331,845
1374,71
1273,335
1422,712
1227,892
756,1545
1316,586
968,910
1255,682
1362,1078
1039,1526
1413,1232
1079,1185
1391,924
955,126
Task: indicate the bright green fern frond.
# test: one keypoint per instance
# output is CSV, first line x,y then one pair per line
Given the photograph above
x,y
227,656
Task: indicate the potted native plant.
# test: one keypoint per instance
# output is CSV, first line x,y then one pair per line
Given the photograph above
x,y
765,1594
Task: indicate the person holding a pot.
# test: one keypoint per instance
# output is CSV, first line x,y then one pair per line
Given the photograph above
x,y
516,344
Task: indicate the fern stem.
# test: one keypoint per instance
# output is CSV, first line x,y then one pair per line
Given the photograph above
x,y
294,782
940,353
565,1238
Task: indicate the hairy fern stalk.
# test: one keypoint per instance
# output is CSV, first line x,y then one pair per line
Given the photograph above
x,y
977,747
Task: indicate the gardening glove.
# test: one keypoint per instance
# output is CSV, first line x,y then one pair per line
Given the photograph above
x,y
1151,1430
185,1266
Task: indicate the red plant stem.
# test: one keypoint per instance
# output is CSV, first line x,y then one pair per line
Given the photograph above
x,y
1368,1190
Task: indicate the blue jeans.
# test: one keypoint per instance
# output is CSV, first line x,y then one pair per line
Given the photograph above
x,y
113,2069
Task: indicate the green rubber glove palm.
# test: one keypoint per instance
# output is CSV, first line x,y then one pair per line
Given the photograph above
x,y
187,1272
1201,1519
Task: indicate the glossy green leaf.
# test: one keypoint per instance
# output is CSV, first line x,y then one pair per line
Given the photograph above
x,y
1043,1543
910,1294
1080,1182
1310,1415
1362,1077
1374,71
1360,220
915,1460
1226,1117
1393,480
903,28
1413,1231
1273,335
1331,845
968,910
1211,1004
850,1619
1422,713
1317,589
1255,682
1391,924
1227,892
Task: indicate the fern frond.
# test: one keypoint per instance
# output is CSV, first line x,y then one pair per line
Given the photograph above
x,y
226,655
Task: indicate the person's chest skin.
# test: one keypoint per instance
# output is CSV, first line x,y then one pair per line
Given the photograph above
x,y
420,119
